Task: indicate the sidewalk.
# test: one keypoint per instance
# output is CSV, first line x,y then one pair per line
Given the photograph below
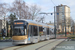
x,y
52,45
66,45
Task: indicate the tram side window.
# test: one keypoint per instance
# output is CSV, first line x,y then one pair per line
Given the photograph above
x,y
47,31
35,31
44,31
50,31
41,30
30,30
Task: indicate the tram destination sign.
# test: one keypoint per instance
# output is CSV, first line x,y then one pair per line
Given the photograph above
x,y
18,23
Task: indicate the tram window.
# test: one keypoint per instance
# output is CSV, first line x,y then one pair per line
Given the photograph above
x,y
52,29
41,30
18,31
50,32
35,31
47,31
44,31
30,30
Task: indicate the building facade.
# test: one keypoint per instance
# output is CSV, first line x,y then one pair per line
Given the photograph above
x,y
63,18
2,24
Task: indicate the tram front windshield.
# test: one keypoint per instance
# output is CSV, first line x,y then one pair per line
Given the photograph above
x,y
18,31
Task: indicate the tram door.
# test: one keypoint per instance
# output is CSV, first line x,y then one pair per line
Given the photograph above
x,y
35,34
51,33
48,34
42,33
30,34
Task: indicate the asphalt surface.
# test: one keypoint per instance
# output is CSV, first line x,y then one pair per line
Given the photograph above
x,y
43,45
66,45
5,44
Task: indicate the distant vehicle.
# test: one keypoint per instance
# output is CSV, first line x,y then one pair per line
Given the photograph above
x,y
27,31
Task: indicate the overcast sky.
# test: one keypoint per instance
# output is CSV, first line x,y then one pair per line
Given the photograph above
x,y
48,6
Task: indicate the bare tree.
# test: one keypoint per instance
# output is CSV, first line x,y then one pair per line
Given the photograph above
x,y
3,9
34,10
20,9
24,11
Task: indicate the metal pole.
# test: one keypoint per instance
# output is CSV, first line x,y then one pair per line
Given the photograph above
x,y
4,22
65,25
73,28
54,23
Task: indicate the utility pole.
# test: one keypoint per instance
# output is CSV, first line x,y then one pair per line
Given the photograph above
x,y
65,24
73,28
4,22
54,20
54,23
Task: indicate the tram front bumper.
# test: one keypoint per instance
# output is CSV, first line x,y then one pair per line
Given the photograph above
x,y
15,42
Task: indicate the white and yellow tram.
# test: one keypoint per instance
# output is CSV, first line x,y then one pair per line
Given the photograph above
x,y
27,31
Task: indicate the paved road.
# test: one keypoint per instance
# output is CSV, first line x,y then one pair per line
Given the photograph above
x,y
44,45
5,44
66,45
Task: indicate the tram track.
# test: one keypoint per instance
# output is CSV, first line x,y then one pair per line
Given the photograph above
x,y
27,45
16,47
38,47
45,45
22,46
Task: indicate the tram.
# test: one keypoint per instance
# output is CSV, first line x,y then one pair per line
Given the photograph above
x,y
27,31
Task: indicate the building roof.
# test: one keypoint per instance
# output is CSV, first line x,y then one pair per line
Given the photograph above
x,y
62,5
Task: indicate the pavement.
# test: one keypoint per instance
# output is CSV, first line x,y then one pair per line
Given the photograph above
x,y
61,38
5,44
6,40
44,45
66,45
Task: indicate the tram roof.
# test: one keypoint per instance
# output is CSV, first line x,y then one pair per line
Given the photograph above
x,y
38,23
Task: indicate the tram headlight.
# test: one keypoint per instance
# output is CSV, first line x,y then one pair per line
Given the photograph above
x,y
26,37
